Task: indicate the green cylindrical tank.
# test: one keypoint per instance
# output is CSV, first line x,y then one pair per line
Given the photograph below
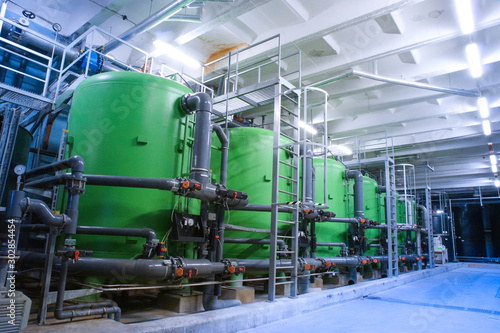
x,y
126,124
337,192
250,169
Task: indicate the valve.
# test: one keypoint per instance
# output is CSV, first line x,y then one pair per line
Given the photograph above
x,y
72,253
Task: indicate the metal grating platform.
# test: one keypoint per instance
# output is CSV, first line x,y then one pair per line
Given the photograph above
x,y
23,98
248,98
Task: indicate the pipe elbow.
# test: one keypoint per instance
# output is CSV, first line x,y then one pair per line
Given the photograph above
x,y
221,135
192,103
354,174
149,234
77,163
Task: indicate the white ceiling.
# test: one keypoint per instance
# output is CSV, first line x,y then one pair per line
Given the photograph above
x,y
406,39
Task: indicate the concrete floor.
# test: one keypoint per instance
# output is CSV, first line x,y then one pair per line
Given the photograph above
x,y
450,298
463,300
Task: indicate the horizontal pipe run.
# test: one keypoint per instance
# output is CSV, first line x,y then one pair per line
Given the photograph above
x,y
263,208
342,245
209,192
264,241
138,182
352,220
148,234
418,85
412,84
128,269
75,163
241,228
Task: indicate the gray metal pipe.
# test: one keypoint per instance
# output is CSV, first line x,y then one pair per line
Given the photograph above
x,y
147,233
137,182
201,104
61,313
264,241
307,174
75,163
40,209
211,302
128,269
240,228
353,72
358,191
352,220
342,245
263,208
224,140
419,85
149,23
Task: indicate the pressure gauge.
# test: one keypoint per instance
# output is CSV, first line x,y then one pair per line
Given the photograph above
x,y
20,169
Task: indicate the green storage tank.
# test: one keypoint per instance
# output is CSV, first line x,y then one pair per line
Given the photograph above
x,y
126,124
250,169
337,193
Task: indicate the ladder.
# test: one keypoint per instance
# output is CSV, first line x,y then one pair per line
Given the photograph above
x,y
286,128
61,154
392,231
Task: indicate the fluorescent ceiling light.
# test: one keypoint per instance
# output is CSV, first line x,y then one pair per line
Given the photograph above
x,y
439,211
494,168
340,150
493,159
307,127
465,15
484,109
164,48
474,60
497,183
486,127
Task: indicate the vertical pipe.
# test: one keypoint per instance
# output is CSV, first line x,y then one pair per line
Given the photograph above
x,y
419,247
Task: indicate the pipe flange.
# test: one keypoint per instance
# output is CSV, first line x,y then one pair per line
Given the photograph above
x,y
301,263
185,105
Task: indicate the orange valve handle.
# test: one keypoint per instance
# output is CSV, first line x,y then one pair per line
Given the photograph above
x,y
179,271
231,269
77,254
185,184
